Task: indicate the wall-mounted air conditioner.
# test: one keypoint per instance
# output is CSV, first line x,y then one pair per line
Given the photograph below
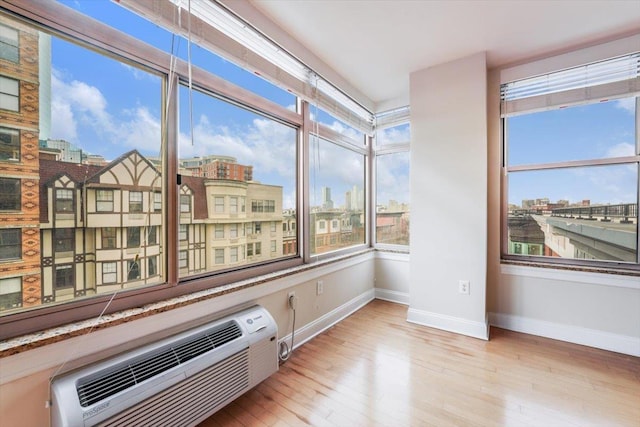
x,y
178,381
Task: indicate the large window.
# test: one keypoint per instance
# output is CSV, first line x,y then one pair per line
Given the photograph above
x,y
572,168
96,124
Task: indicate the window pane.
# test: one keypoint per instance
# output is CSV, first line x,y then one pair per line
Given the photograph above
x,y
10,244
392,198
593,131
394,135
337,197
90,127
10,194
238,158
580,213
9,144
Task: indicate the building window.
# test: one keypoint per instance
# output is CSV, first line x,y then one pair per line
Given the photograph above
x,y
274,227
133,237
108,235
109,272
10,244
218,204
233,254
9,44
250,249
233,231
219,254
104,200
219,231
571,173
157,202
257,227
64,276
133,270
233,205
10,293
9,94
152,235
258,248
183,259
64,200
135,201
273,246
183,232
152,266
9,143
64,239
322,225
10,194
185,203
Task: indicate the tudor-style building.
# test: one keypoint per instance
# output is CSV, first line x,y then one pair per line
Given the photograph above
x,y
101,226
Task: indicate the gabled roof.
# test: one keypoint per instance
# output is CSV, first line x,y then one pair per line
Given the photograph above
x,y
51,170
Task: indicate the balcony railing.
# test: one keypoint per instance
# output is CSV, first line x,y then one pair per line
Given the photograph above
x,y
605,213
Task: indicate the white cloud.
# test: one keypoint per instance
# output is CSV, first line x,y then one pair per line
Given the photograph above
x,y
79,109
627,104
393,135
620,150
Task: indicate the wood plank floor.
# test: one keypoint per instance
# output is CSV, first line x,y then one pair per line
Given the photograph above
x,y
375,369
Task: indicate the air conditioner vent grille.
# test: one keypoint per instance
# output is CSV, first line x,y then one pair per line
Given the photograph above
x,y
109,382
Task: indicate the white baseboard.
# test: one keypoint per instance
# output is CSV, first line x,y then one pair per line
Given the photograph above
x,y
393,296
449,323
321,324
584,336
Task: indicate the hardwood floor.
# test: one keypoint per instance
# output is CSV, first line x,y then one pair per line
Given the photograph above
x,y
375,369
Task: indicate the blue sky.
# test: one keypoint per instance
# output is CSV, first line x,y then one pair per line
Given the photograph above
x,y
106,107
602,130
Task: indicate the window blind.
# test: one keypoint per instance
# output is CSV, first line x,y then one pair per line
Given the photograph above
x,y
609,79
392,118
215,28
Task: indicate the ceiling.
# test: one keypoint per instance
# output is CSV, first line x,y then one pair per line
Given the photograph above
x,y
375,45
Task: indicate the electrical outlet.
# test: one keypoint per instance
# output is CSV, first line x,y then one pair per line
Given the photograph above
x,y
319,287
464,287
292,300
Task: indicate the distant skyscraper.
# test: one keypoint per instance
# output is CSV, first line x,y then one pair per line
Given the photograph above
x,y
327,203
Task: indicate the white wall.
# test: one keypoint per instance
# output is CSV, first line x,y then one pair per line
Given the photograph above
x,y
449,195
595,309
24,378
391,276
